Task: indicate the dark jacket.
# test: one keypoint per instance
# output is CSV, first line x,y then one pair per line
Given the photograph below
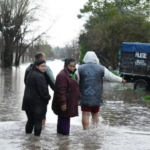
x,y
91,84
48,76
36,94
66,92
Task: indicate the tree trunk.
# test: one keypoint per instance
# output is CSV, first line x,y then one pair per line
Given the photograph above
x,y
8,52
16,56
17,62
8,57
23,58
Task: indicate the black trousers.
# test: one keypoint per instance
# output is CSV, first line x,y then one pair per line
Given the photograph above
x,y
34,121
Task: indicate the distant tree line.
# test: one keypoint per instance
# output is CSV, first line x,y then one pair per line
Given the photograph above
x,y
112,22
70,50
41,46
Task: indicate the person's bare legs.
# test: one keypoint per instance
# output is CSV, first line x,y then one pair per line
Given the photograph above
x,y
95,118
43,122
85,120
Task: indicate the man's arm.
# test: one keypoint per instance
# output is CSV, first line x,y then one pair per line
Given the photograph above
x,y
50,77
111,77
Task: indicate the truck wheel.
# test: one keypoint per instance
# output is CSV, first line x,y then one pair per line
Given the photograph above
x,y
140,85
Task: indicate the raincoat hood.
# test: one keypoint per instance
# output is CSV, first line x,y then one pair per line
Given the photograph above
x,y
90,56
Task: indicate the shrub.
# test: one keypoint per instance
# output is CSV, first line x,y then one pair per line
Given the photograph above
x,y
147,98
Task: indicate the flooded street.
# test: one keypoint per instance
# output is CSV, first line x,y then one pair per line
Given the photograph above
x,y
124,119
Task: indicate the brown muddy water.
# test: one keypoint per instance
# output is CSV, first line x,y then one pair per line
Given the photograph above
x,y
124,119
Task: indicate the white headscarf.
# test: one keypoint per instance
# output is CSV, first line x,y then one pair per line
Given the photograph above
x,y
90,56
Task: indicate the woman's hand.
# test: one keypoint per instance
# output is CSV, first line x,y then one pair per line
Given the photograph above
x,y
63,107
79,101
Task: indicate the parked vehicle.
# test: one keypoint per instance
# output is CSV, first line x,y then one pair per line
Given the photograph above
x,y
135,64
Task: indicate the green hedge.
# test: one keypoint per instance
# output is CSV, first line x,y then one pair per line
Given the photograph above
x,y
147,98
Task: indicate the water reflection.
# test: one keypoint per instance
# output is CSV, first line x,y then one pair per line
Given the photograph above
x,y
10,94
125,108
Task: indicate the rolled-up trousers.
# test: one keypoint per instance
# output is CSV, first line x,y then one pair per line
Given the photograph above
x,y
63,125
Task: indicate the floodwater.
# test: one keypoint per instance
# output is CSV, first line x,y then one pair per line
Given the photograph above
x,y
124,119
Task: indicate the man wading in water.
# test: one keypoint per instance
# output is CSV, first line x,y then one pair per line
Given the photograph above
x,y
90,78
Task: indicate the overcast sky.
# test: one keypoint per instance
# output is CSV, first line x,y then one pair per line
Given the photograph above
x,y
67,26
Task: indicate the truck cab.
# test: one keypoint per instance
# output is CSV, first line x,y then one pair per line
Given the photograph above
x,y
135,64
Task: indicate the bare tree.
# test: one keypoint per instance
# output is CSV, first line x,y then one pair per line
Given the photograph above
x,y
21,48
16,16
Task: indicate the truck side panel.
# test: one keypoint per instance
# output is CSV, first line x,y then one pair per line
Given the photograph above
x,y
135,63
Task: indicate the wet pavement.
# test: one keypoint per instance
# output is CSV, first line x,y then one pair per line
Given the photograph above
x,y
124,119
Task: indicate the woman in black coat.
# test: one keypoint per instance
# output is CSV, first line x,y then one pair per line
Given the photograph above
x,y
48,75
36,97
